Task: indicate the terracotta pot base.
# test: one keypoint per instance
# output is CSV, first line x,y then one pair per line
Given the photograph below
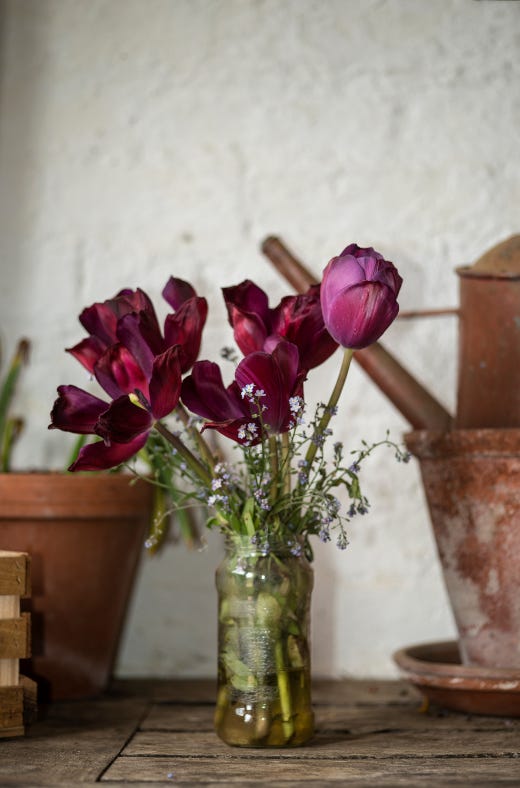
x,y
435,669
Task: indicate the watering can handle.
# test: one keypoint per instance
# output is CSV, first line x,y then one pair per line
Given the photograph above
x,y
415,403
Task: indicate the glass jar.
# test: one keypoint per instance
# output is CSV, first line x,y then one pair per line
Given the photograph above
x,y
264,691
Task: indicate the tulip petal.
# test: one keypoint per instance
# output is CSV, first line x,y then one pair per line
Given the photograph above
x,y
361,251
117,372
248,329
299,319
184,328
236,430
76,410
123,421
88,352
139,334
275,374
249,298
165,383
133,301
100,321
339,273
203,392
99,457
361,314
177,291
249,314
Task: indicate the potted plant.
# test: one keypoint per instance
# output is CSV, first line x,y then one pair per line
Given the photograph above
x,y
84,534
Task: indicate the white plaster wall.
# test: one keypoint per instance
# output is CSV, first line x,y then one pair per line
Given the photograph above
x,y
141,138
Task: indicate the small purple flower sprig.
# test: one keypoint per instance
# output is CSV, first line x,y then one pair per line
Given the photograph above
x,y
162,399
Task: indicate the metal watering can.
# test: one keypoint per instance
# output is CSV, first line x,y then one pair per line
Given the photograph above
x,y
470,463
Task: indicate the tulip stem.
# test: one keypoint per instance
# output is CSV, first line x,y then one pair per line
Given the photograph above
x,y
286,467
329,408
273,461
192,462
201,443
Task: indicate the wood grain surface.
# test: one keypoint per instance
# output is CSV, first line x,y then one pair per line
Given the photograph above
x,y
368,733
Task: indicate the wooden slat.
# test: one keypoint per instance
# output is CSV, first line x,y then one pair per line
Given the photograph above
x,y
286,771
9,666
14,574
15,637
11,707
411,743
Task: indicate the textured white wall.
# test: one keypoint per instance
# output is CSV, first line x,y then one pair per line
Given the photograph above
x,y
144,138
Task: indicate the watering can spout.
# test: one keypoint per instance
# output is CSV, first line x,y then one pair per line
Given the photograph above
x,y
415,403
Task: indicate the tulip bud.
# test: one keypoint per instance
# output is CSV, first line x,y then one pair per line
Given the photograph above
x,y
358,296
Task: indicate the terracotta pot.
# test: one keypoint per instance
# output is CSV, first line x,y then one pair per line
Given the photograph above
x,y
472,484
84,534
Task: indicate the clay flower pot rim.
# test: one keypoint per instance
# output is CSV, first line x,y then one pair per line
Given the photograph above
x,y
439,661
435,669
60,494
483,442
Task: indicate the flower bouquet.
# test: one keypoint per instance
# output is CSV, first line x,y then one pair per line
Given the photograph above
x,y
281,489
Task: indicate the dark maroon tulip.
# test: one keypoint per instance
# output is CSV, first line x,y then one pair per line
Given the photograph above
x,y
130,319
358,296
100,319
263,382
139,333
76,410
123,424
297,319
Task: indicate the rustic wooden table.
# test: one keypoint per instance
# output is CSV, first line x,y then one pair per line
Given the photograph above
x,y
368,733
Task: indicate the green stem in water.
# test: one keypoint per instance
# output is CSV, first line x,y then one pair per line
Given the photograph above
x,y
330,407
191,461
284,690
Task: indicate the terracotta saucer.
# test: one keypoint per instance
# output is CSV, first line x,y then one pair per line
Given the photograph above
x,y
436,670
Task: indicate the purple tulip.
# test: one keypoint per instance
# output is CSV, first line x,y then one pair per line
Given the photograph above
x,y
298,319
124,424
261,399
358,296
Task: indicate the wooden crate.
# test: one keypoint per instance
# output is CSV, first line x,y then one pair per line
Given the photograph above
x,y
17,693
